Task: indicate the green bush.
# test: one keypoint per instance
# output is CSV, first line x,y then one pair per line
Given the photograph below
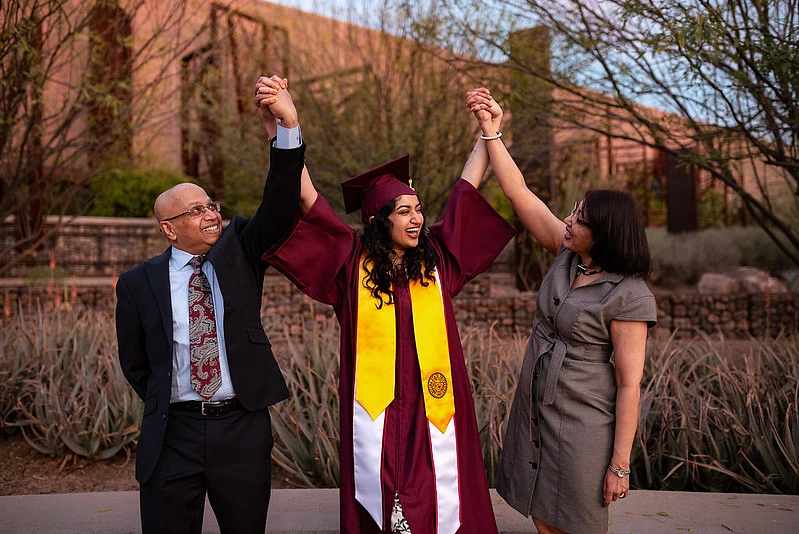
x,y
130,193
683,258
493,363
715,212
65,390
719,417
306,425
244,182
716,415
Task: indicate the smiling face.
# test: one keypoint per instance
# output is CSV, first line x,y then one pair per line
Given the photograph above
x,y
193,234
578,237
406,223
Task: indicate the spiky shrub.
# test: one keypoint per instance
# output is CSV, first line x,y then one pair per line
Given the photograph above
x,y
715,415
306,425
71,396
719,416
493,363
15,367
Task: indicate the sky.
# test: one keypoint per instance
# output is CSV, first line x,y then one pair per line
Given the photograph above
x,y
329,8
359,12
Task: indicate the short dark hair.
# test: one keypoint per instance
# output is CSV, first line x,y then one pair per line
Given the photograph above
x,y
619,232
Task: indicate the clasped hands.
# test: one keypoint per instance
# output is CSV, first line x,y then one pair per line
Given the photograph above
x,y
487,111
274,103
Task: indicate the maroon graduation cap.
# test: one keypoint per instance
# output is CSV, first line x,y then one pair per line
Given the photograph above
x,y
373,189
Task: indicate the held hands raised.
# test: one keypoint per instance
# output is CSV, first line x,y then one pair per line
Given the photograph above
x,y
274,103
486,109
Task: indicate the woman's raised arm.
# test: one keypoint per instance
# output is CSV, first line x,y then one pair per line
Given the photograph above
x,y
536,216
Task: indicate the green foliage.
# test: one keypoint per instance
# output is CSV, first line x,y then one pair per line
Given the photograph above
x,y
130,193
682,258
715,415
719,417
493,364
65,390
306,425
243,191
712,210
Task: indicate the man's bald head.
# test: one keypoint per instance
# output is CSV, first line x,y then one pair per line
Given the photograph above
x,y
193,233
174,200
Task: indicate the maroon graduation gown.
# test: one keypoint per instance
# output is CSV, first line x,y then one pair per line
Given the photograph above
x,y
321,258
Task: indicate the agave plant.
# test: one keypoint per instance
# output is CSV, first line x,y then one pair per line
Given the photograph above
x,y
715,415
16,366
493,363
72,396
306,425
719,418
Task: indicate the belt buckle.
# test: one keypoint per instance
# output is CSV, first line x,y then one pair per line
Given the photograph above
x,y
202,407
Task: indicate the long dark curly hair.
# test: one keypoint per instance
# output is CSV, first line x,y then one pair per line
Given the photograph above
x,y
419,262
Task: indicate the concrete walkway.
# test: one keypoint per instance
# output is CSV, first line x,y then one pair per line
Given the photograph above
x,y
302,511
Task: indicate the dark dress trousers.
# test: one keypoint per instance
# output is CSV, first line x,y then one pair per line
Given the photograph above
x,y
144,326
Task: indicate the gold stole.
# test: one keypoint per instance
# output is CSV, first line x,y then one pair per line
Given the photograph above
x,y
376,351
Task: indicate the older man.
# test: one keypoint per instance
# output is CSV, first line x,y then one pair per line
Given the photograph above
x,y
192,346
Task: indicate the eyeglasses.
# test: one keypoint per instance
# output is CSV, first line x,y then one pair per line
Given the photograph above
x,y
577,219
197,211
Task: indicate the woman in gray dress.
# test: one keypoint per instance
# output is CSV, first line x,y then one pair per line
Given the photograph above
x,y
566,454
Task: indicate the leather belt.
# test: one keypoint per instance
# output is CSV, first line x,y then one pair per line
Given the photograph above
x,y
208,408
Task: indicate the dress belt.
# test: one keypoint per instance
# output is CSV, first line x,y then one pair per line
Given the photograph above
x,y
208,408
559,350
558,356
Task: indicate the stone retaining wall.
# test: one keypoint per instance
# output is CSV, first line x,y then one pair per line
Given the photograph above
x,y
756,315
482,303
84,246
76,270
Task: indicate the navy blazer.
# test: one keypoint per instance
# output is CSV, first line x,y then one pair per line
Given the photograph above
x,y
144,311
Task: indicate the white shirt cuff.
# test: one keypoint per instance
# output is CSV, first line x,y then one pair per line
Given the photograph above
x,y
288,138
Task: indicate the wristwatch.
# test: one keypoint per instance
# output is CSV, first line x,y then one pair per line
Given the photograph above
x,y
621,473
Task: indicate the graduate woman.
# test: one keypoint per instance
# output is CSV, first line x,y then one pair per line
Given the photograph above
x,y
410,454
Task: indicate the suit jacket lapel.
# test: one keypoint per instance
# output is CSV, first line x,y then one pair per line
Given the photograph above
x,y
157,270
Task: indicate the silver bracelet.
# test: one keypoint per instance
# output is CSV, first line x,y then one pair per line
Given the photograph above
x,y
621,473
490,137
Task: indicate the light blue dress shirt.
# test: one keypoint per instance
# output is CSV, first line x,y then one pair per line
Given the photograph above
x,y
288,138
179,273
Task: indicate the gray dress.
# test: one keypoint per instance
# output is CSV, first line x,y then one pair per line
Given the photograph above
x,y
560,432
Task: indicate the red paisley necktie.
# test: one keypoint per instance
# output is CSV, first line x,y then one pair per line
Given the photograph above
x,y
203,344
